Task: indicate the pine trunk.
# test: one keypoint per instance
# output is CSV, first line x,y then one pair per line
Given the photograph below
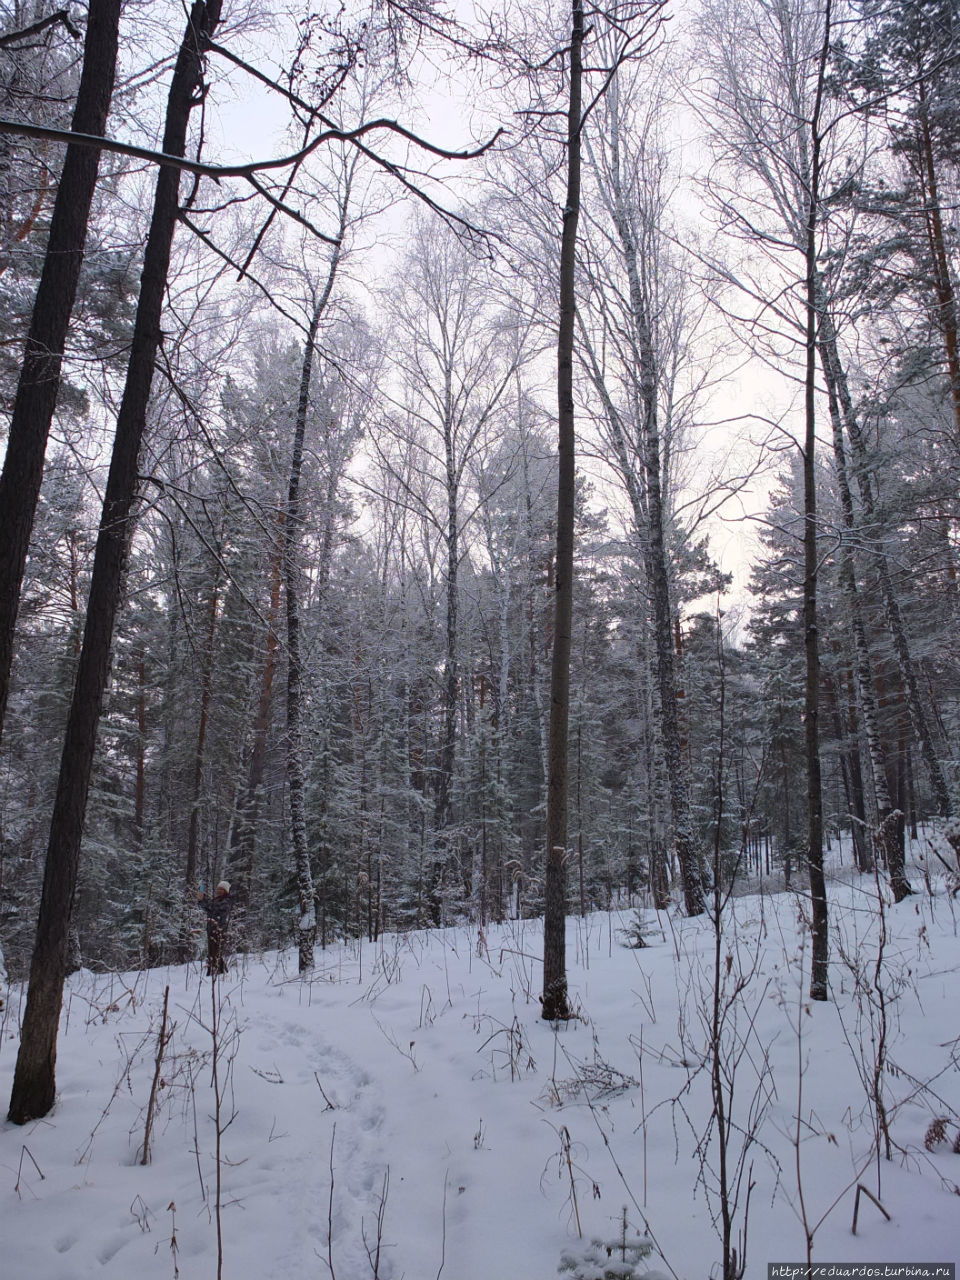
x,y
555,1004
243,837
890,853
811,639
653,541
851,774
919,720
946,311
307,927
450,686
34,1085
199,753
39,384
139,802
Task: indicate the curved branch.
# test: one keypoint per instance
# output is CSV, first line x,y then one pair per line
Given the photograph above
x,y
217,171
61,16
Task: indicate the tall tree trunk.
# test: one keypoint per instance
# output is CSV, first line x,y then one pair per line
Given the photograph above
x,y
554,1002
688,855
889,849
540,642
243,836
811,639
199,752
864,852
307,927
139,802
39,383
659,878
450,685
451,671
919,720
946,310
851,773
653,542
34,1085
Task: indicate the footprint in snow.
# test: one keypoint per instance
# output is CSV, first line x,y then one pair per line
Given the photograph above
x,y
110,1250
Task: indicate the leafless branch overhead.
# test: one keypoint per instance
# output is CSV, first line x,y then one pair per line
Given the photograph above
x,y
252,167
61,16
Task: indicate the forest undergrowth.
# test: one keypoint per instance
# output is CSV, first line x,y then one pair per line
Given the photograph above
x,y
405,1111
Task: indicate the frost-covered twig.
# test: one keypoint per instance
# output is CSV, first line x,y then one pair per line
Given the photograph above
x,y
392,1040
329,1257
373,1254
162,1041
861,1189
25,1151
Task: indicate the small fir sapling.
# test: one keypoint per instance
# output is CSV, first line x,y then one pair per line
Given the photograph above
x,y
620,1258
633,932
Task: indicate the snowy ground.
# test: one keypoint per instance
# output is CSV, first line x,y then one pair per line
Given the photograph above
x,y
407,1114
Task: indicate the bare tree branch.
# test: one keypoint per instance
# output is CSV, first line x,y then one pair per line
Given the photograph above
x,y
251,168
61,16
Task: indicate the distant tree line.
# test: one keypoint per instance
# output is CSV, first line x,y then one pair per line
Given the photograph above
x,y
304,625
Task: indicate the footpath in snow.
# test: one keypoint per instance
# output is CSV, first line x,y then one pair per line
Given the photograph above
x,y
406,1113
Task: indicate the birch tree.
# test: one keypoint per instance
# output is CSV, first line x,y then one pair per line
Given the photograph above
x,y
774,124
635,338
457,355
771,136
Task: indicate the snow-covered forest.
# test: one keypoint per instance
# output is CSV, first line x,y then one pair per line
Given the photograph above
x,y
469,475
406,1112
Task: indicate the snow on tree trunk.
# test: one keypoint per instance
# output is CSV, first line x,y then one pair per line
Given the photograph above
x,y
39,383
554,1003
888,846
307,924
919,720
811,637
655,552
34,1084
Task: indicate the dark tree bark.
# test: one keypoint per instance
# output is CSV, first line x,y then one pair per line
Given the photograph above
x,y
185,947
306,894
786,785
665,665
450,684
451,660
889,850
139,802
39,383
34,1086
307,928
639,460
688,855
862,849
243,836
811,639
850,771
919,720
199,751
946,308
554,1000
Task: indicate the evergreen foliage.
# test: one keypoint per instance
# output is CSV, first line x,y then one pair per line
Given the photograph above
x,y
426,524
622,1257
